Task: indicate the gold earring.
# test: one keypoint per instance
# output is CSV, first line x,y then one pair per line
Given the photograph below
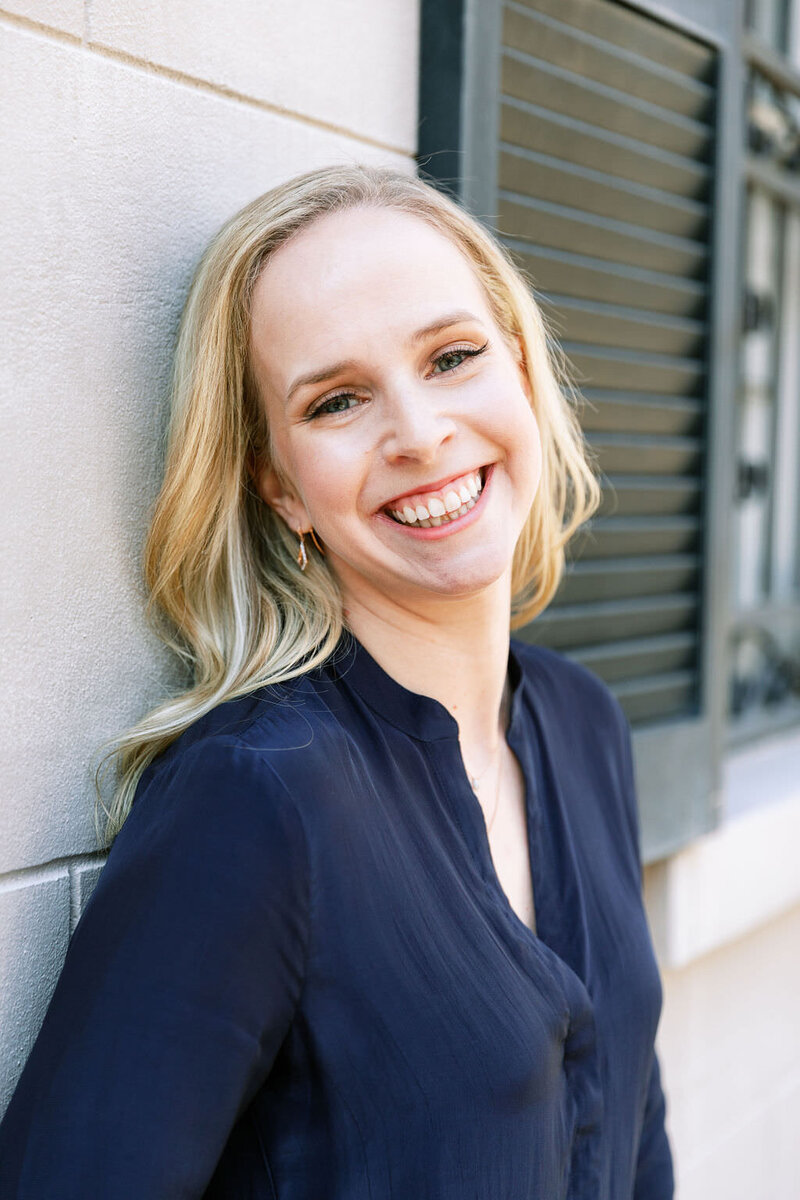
x,y
302,554
302,557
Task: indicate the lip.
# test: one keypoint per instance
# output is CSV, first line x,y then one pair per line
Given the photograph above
x,y
435,532
430,487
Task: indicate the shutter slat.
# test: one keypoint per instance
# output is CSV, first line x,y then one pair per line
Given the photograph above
x,y
597,58
638,413
538,128
587,278
632,496
629,369
565,626
532,79
592,191
632,32
639,659
648,455
530,219
658,699
611,537
601,324
617,578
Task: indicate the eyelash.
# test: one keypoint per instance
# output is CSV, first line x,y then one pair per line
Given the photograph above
x,y
467,351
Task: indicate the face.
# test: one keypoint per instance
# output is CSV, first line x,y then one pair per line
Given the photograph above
x,y
400,418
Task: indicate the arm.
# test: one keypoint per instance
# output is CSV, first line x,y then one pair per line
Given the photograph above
x,y
654,1169
654,1177
179,985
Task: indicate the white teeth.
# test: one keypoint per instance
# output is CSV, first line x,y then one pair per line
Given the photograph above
x,y
439,512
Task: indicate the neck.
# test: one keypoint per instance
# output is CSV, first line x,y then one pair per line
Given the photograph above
x,y
455,651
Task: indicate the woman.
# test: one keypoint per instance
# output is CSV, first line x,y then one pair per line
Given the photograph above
x,y
371,925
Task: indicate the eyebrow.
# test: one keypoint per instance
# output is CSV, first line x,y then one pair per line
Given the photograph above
x,y
348,364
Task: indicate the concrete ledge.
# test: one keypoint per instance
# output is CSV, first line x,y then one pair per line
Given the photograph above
x,y
742,874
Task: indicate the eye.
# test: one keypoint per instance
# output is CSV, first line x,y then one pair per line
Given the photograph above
x,y
338,403
454,358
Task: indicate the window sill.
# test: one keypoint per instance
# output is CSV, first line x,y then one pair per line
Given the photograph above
x,y
742,874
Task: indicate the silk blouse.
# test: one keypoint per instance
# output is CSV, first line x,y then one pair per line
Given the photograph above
x,y
299,977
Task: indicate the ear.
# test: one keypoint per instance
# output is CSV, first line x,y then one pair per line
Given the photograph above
x,y
277,492
522,363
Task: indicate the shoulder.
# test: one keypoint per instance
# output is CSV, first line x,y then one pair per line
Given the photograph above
x,y
213,818
585,727
566,686
246,754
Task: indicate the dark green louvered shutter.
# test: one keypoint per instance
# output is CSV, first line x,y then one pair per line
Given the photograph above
x,y
585,132
604,176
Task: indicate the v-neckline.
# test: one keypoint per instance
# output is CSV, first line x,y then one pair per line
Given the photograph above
x,y
428,721
489,868
420,716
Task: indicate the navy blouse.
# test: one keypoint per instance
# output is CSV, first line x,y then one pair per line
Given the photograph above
x,y
299,976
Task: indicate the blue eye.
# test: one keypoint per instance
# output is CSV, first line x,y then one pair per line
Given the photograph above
x,y
335,404
460,353
343,401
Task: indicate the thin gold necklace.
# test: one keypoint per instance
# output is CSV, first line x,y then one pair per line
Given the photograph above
x,y
497,791
474,779
473,785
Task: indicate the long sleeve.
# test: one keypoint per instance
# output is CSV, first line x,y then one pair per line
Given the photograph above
x,y
179,985
654,1175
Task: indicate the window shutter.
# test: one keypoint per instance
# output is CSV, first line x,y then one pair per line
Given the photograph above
x,y
587,135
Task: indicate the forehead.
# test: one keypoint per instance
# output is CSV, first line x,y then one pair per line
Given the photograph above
x,y
355,275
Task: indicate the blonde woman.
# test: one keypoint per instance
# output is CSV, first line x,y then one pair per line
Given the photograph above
x,y
371,922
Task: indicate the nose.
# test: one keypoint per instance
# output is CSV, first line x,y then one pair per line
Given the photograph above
x,y
417,423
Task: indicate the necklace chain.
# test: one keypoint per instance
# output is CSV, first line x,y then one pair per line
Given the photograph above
x,y
475,779
497,792
473,782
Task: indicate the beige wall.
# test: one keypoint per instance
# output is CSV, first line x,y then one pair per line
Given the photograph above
x,y
730,1041
130,132
725,916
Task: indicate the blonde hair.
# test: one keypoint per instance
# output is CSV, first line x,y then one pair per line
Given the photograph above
x,y
225,591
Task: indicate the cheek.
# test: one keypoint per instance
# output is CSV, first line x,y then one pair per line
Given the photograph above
x,y
328,476
527,449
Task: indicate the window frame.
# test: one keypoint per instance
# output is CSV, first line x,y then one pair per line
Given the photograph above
x,y
771,613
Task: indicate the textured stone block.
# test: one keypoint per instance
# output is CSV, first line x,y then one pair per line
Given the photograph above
x,y
34,933
352,64
65,15
113,181
84,880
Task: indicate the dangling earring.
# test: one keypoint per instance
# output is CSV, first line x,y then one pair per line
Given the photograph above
x,y
302,557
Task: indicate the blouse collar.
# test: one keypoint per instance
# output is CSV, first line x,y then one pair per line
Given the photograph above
x,y
418,715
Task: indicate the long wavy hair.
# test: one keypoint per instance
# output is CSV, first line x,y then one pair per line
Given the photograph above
x,y
225,592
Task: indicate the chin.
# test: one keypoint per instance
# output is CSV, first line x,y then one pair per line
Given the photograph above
x,y
465,582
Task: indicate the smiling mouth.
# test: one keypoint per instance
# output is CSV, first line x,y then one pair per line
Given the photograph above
x,y
429,509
